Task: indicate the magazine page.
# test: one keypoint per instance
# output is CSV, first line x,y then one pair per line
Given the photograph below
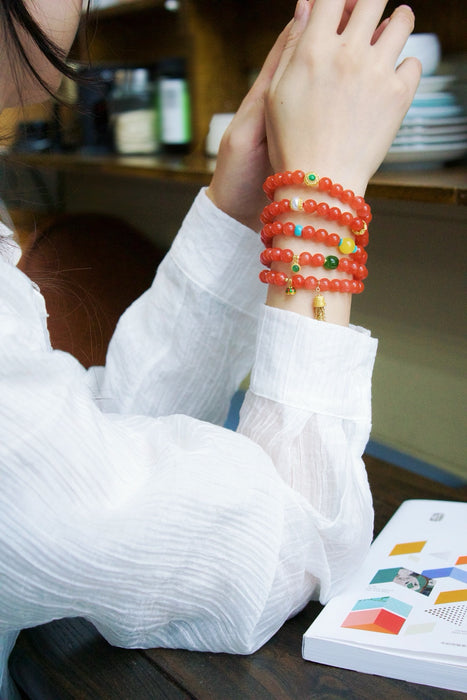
x,y
410,597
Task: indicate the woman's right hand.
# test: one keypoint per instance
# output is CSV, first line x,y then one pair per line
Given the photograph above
x,y
336,99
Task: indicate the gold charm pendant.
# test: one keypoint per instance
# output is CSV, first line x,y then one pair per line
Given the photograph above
x,y
318,306
290,289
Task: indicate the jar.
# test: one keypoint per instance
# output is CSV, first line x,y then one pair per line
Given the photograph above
x,y
174,106
133,113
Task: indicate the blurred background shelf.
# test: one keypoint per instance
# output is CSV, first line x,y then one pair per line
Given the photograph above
x,y
442,186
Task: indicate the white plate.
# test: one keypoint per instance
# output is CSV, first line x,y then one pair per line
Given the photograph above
x,y
434,99
423,140
434,122
426,154
435,83
452,132
435,112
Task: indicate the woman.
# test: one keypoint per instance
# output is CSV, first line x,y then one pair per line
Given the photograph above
x,y
121,499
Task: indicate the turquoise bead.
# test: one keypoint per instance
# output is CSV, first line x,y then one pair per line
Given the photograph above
x,y
298,231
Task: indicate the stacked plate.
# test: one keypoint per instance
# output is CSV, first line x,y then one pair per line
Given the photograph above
x,y
434,130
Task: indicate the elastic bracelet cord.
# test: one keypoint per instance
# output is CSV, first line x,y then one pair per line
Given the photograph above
x,y
323,184
299,260
345,245
310,283
358,225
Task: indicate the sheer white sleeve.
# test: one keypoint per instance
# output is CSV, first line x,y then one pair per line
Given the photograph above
x,y
187,343
170,530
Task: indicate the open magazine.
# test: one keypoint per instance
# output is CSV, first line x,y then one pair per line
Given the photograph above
x,y
404,614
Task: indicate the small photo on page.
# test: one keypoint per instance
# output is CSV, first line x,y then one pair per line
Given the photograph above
x,y
405,577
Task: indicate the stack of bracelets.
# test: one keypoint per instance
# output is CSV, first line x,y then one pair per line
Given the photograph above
x,y
352,246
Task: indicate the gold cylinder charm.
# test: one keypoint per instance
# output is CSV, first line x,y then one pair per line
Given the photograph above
x,y
318,306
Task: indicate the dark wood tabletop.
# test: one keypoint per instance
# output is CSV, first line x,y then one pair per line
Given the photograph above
x,y
69,660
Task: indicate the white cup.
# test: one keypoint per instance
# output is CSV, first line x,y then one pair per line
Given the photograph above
x,y
217,127
425,47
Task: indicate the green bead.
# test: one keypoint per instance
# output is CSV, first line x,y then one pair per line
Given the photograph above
x,y
295,267
331,262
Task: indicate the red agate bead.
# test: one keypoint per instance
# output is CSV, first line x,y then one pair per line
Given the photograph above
x,y
345,286
305,258
298,281
324,184
336,190
298,177
309,205
308,232
276,228
345,218
323,209
334,213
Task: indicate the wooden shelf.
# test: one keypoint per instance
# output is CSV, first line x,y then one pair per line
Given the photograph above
x,y
443,186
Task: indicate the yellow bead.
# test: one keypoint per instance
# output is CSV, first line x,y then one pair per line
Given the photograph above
x,y
347,246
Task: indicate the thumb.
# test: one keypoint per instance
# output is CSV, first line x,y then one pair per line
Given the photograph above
x,y
296,28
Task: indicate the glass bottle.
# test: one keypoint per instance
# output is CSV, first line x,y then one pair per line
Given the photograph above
x,y
174,106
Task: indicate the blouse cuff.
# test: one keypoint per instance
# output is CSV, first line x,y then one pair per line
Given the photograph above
x,y
220,255
312,365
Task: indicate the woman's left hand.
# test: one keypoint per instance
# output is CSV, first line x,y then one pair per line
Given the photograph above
x,y
243,160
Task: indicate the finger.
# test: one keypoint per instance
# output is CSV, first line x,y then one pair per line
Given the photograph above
x,y
380,30
396,32
410,71
326,17
300,21
348,9
364,20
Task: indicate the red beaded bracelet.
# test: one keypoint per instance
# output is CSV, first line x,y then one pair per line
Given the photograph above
x,y
324,184
345,245
329,262
295,282
356,224
311,283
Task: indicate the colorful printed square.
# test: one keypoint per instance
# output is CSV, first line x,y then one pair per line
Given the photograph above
x,y
407,548
386,615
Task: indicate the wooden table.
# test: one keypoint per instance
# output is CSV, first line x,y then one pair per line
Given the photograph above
x,y
68,660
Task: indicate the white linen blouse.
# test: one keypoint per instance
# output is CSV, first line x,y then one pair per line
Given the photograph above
x,y
124,502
